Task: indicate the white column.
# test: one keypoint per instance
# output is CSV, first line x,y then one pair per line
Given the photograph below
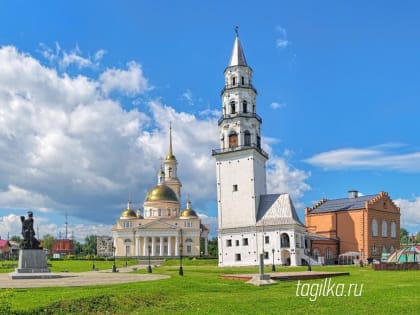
x,y
137,241
206,246
161,246
145,253
153,246
169,246
177,246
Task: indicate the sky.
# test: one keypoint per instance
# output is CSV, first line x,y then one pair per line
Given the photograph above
x,y
88,90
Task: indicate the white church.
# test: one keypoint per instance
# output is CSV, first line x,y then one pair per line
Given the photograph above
x,y
251,222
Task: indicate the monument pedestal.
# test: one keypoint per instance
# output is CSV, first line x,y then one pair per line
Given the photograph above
x,y
32,265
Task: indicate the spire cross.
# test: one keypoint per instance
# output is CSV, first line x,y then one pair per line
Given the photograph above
x,y
237,30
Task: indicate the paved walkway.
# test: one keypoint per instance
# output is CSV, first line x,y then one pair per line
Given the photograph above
x,y
292,275
77,279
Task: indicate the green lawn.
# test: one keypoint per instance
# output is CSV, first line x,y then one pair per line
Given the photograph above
x,y
200,291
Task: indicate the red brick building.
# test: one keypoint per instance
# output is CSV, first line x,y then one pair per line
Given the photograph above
x,y
63,247
369,225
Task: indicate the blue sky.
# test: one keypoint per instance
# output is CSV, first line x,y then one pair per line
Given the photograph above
x,y
87,90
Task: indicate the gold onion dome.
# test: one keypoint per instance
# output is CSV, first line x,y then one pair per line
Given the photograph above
x,y
188,212
128,213
161,192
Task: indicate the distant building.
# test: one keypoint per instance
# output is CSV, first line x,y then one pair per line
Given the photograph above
x,y
163,229
4,248
104,246
369,225
62,247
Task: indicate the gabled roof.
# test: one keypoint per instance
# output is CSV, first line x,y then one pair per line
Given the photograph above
x,y
276,209
157,224
343,204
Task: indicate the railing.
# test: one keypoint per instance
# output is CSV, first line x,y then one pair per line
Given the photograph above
x,y
238,85
238,148
240,114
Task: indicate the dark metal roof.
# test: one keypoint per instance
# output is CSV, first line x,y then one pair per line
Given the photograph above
x,y
343,204
276,209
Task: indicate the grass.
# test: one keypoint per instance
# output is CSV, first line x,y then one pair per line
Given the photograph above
x,y
200,291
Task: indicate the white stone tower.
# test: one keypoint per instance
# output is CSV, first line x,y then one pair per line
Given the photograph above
x,y
253,225
240,161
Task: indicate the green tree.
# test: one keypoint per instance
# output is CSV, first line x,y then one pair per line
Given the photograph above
x,y
403,236
213,247
89,247
16,238
418,237
48,242
78,248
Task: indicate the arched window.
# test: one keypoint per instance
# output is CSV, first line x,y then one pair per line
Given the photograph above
x,y
374,227
328,253
170,172
258,142
374,250
243,80
284,240
316,253
169,212
393,229
232,107
245,106
384,249
233,80
233,140
159,212
150,212
384,229
247,138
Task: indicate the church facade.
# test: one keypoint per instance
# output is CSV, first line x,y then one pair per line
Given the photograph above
x,y
251,222
162,229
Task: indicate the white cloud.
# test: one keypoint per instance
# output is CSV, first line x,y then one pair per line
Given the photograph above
x,y
410,213
74,57
282,178
67,147
188,97
129,82
277,105
367,158
281,40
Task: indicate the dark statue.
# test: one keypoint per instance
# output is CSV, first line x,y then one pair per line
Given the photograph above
x,y
28,233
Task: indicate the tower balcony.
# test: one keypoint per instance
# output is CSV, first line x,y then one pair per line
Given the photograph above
x,y
248,115
238,85
239,148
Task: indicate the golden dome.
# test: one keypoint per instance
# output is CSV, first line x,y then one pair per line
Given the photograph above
x,y
161,192
128,213
188,213
170,157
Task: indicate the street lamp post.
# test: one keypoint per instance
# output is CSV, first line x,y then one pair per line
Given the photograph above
x,y
309,261
149,268
273,267
181,271
114,266
127,243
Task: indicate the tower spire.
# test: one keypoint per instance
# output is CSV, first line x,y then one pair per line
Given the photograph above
x,y
238,57
170,155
